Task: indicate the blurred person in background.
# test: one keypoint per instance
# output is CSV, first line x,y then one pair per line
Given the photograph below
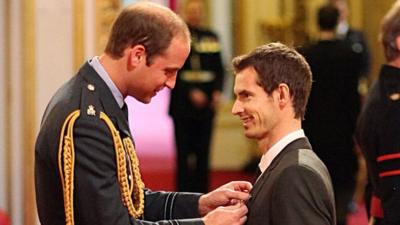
x,y
353,37
333,107
378,130
194,101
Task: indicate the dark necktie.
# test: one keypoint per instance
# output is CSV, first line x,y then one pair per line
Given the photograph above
x,y
125,111
257,174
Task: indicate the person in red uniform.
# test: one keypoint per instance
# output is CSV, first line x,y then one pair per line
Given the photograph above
x,y
378,130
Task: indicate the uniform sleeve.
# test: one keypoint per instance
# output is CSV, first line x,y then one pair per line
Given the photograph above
x,y
97,198
170,205
300,198
390,199
389,164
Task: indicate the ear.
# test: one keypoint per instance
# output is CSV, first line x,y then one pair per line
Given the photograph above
x,y
137,54
283,95
397,42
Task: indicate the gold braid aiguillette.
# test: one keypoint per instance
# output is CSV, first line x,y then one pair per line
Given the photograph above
x,y
66,165
136,208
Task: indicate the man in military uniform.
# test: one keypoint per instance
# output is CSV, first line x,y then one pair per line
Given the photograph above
x,y
86,168
378,130
194,101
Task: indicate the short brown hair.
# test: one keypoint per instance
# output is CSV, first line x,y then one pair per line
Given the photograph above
x,y
275,63
328,17
390,29
148,24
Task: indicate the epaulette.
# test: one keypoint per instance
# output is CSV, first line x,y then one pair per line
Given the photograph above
x,y
130,185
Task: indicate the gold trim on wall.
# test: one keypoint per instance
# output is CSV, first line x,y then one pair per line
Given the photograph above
x,y
106,12
7,110
289,30
239,21
28,108
79,28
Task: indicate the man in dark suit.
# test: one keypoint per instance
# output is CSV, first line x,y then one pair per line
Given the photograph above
x,y
194,101
86,168
333,107
272,86
356,40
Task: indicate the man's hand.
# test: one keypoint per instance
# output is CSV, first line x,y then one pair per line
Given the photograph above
x,y
229,215
228,194
216,99
198,98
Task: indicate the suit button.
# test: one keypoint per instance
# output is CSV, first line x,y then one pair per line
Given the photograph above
x,y
90,87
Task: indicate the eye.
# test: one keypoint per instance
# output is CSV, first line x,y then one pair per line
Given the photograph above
x,y
244,95
170,72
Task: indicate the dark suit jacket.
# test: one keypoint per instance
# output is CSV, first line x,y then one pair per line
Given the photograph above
x,y
97,197
359,46
294,190
333,106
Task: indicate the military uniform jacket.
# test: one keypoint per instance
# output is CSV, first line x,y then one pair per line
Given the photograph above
x,y
96,197
202,70
378,134
295,189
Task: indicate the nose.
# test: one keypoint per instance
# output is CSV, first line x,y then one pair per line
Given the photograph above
x,y
237,108
170,83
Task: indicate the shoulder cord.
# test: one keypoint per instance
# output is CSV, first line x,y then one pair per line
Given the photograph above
x,y
137,185
66,163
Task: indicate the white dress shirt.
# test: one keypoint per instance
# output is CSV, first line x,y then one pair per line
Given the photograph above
x,y
271,153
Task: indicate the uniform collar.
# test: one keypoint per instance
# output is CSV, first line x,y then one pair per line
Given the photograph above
x,y
95,63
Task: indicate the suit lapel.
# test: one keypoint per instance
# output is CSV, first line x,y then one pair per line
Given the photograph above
x,y
301,143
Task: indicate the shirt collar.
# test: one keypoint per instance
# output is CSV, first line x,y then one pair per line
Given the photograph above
x,y
272,152
95,63
341,29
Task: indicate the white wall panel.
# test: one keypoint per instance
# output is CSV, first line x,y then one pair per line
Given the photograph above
x,y
16,137
221,19
89,26
54,49
3,108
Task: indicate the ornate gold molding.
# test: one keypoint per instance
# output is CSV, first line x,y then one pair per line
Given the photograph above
x,y
290,31
28,108
239,23
79,27
106,12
